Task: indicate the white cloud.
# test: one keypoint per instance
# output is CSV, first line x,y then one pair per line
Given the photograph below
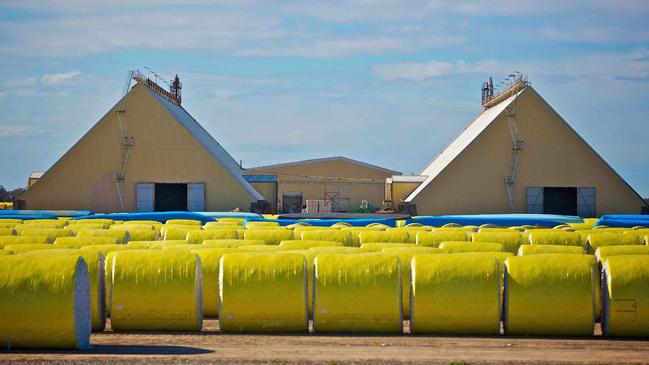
x,y
14,130
55,78
419,71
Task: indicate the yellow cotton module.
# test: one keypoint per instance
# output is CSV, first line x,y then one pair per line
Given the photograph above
x,y
550,295
78,242
384,236
537,249
232,243
270,236
511,241
626,296
25,247
50,233
606,251
555,237
433,239
357,294
19,240
183,222
121,235
342,236
465,246
263,293
598,239
177,232
197,237
210,265
306,244
155,290
44,302
455,294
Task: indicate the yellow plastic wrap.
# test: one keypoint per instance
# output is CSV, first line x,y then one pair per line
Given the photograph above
x,y
128,227
433,239
11,221
155,290
261,223
381,245
173,242
297,231
51,233
210,264
340,225
405,255
550,295
464,246
555,237
4,252
271,237
177,232
180,247
219,225
626,296
120,235
7,232
384,236
262,248
305,245
183,222
265,228
75,228
106,222
537,249
596,240
344,249
197,237
455,294
263,293
412,231
156,224
44,302
511,241
45,223
25,247
607,251
342,236
19,240
238,221
356,232
142,245
357,294
78,242
232,243
142,235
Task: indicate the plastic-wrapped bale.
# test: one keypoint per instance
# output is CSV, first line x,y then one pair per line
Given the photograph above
x,y
549,295
607,251
465,246
173,242
128,227
357,294
271,237
238,221
596,240
4,252
44,302
261,223
263,293
384,236
181,247
625,296
183,222
78,242
455,294
177,232
265,228
342,236
500,257
11,221
80,222
156,291
51,233
7,232
340,225
297,231
145,245
95,263
382,245
197,237
547,249
120,235
304,244
75,228
232,243
15,249
341,250
46,223
356,232
210,264
405,256
511,241
261,248
220,225
555,237
157,224
19,240
412,231
433,239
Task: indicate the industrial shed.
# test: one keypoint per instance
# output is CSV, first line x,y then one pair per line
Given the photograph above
x,y
520,155
146,154
342,183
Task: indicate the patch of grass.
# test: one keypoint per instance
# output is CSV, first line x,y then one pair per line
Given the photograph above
x,y
331,362
458,363
274,360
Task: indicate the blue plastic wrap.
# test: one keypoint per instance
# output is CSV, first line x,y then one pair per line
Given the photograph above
x,y
503,220
151,216
623,220
391,222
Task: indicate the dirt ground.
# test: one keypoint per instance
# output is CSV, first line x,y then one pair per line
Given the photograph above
x,y
211,346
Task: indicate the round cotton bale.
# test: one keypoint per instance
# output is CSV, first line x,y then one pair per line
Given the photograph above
x,y
602,253
10,221
625,299
142,235
554,237
174,242
264,228
444,228
19,240
271,237
78,242
260,223
107,222
156,291
181,247
146,227
340,225
46,223
356,231
342,236
197,237
384,236
210,264
220,225
25,247
596,240
548,249
156,224
382,245
4,252
239,221
304,244
341,250
120,235
177,232
357,294
405,255
231,243
75,228
433,239
143,245
183,222
262,248
412,231
263,293
455,294
549,295
51,233
511,241
7,232
44,302
297,231
465,246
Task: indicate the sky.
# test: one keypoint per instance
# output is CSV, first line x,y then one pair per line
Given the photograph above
x,y
385,82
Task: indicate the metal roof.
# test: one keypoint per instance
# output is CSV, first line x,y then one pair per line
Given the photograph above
x,y
210,144
260,178
326,159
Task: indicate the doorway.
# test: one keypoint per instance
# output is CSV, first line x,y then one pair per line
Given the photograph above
x,y
560,201
292,203
170,197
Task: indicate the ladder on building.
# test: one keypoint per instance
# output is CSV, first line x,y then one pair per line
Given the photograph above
x,y
126,142
517,148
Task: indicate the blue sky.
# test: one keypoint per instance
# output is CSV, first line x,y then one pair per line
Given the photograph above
x,y
386,82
